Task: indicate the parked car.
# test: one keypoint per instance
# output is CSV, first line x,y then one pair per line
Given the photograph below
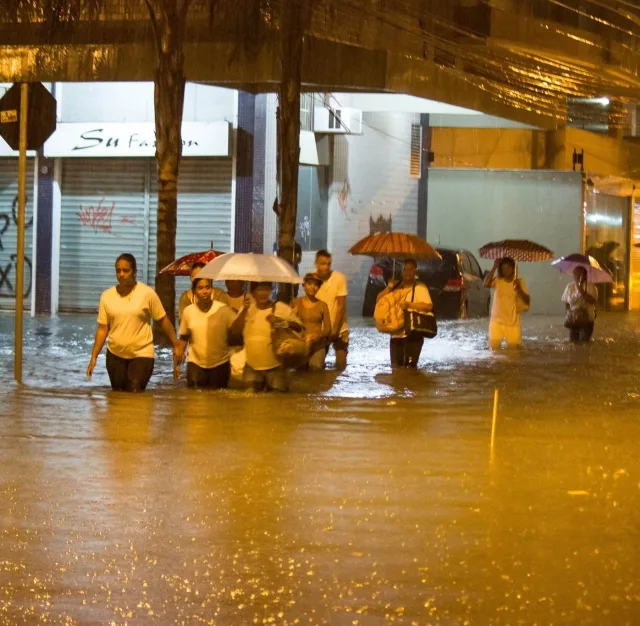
x,y
456,284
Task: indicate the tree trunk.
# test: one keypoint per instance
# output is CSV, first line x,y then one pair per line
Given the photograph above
x,y
289,131
169,100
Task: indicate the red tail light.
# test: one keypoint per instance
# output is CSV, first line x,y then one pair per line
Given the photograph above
x,y
376,271
454,284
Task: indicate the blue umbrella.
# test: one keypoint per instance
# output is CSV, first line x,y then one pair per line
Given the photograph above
x,y
595,272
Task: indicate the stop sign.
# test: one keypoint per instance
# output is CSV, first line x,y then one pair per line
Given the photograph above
x,y
41,116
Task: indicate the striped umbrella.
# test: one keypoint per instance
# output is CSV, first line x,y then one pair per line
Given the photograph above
x,y
395,246
518,249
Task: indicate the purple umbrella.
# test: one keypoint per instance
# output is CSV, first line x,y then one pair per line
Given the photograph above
x,y
595,272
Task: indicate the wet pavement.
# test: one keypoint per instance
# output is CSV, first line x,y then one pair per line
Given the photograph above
x,y
363,498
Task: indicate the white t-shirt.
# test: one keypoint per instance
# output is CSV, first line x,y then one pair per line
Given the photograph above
x,y
333,288
421,295
129,320
574,299
503,309
207,332
257,335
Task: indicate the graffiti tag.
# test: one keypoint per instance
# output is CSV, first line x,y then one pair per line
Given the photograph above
x,y
7,289
8,266
97,218
6,220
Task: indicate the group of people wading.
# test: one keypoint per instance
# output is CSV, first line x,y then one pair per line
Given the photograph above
x,y
228,335
222,335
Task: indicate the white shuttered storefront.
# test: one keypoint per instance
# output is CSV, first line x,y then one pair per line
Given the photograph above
x,y
8,231
109,206
205,211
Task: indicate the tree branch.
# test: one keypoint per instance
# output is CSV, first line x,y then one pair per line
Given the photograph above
x,y
156,26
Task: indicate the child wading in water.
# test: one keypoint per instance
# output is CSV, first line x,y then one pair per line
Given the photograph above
x,y
314,315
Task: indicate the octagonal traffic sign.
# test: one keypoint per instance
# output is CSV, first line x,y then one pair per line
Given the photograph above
x,y
41,116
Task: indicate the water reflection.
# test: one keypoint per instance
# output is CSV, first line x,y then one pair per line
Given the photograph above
x,y
363,497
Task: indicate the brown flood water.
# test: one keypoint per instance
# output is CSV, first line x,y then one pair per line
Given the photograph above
x,y
366,498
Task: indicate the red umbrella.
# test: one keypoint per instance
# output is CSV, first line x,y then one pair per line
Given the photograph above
x,y
183,265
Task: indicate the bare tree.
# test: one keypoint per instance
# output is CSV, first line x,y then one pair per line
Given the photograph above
x,y
169,19
293,23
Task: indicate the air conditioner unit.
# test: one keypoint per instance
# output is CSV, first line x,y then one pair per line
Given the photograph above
x,y
338,121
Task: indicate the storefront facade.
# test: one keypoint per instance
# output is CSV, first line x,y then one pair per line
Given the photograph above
x,y
106,202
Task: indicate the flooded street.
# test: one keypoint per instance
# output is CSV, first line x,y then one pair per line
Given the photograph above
x,y
363,498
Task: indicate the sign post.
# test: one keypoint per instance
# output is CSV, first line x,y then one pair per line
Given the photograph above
x,y
27,120
22,207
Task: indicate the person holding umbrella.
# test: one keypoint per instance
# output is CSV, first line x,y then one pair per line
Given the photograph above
x,y
264,370
405,349
510,296
254,322
581,296
580,299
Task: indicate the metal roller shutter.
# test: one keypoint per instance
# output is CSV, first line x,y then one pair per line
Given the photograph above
x,y
8,231
104,213
205,211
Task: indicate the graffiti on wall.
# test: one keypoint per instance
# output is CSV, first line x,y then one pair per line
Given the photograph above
x,y
380,225
8,262
344,194
97,218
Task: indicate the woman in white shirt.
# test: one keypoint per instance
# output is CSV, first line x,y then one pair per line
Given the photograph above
x,y
124,317
263,369
580,299
405,349
204,327
508,291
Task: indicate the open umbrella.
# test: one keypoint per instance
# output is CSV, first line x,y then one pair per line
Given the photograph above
x,y
395,246
250,267
595,272
182,266
517,249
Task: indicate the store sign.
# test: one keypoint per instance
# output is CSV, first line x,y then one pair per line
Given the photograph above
x,y
199,139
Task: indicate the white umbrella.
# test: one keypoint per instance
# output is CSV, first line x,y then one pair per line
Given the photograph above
x,y
251,267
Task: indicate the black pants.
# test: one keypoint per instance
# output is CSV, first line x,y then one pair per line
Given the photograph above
x,y
406,352
214,378
582,333
129,374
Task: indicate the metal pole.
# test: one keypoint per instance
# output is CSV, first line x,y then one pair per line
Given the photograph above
x,y
22,202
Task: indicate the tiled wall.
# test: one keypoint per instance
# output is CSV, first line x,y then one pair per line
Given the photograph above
x,y
370,180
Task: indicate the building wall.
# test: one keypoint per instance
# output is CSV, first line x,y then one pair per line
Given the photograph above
x,y
370,180
468,208
134,102
488,148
